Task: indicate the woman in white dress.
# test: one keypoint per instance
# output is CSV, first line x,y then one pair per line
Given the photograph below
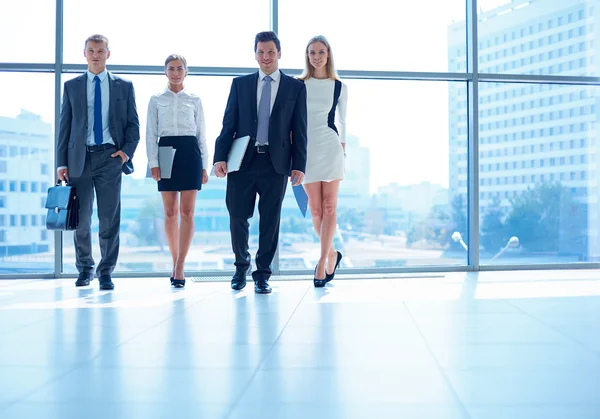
x,y
176,119
326,99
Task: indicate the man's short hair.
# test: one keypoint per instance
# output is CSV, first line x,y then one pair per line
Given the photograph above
x,y
267,37
97,38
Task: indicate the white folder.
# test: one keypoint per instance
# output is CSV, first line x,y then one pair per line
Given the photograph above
x,y
236,154
166,155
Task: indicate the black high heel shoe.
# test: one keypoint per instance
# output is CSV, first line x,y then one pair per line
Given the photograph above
x,y
178,283
329,277
319,283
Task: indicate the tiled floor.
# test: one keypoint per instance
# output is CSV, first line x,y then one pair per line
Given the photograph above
x,y
493,345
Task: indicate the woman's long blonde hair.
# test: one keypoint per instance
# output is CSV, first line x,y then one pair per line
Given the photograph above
x,y
330,67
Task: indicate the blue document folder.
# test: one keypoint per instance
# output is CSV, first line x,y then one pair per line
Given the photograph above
x,y
301,198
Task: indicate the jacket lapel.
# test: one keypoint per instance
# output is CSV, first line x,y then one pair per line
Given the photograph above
x,y
82,95
281,91
254,94
113,88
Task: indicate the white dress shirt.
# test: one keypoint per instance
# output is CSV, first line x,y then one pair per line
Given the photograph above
x,y
105,95
175,114
276,76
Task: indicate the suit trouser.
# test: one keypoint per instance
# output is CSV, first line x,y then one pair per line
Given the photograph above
x,y
102,175
242,187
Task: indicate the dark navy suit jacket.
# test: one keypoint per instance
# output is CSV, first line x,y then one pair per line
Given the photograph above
x,y
287,124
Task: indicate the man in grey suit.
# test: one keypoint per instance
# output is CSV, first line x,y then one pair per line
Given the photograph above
x,y
98,134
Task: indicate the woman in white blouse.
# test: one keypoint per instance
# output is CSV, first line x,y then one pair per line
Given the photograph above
x,y
176,121
326,98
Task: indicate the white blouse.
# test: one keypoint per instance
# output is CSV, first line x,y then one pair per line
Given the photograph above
x,y
175,114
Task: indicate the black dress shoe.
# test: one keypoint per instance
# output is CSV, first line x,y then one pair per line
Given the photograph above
x,y
262,287
238,281
84,279
329,277
319,282
106,282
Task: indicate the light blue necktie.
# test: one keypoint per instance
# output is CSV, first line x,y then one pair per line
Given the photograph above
x,y
264,112
97,112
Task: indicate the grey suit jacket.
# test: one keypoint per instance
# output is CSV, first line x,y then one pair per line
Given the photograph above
x,y
73,128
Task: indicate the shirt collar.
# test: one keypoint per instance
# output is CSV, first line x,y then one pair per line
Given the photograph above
x,y
274,75
101,76
183,91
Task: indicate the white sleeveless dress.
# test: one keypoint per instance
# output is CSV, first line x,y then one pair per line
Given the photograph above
x,y
325,155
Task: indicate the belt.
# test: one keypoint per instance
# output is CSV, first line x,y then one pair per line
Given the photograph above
x,y
262,149
97,148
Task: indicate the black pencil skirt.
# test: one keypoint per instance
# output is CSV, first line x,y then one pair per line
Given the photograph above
x,y
186,174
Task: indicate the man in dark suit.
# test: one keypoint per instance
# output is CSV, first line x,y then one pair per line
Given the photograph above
x,y
98,134
270,107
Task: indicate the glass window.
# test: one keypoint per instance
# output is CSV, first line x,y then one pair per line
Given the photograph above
x,y
570,229
375,211
403,228
197,41
28,110
372,209
434,35
30,39
525,19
